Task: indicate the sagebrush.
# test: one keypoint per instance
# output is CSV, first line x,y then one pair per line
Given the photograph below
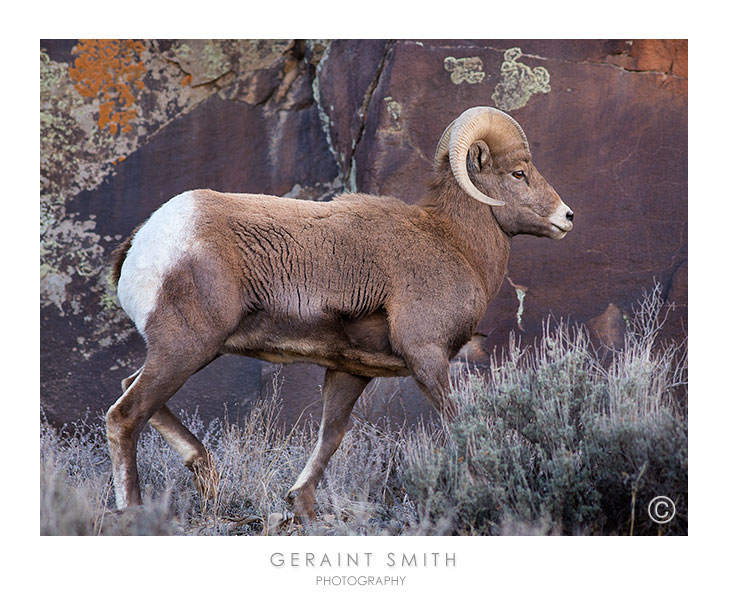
x,y
563,438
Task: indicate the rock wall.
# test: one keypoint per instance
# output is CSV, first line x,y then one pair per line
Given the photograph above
x,y
127,124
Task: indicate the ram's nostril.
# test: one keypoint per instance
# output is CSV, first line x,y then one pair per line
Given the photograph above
x,y
570,215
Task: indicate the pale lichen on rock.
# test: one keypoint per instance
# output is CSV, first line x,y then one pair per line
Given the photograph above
x,y
521,292
518,82
394,111
68,248
469,69
203,61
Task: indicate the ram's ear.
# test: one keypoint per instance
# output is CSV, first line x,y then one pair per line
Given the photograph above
x,y
479,156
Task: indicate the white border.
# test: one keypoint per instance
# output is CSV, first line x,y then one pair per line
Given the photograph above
x,y
522,568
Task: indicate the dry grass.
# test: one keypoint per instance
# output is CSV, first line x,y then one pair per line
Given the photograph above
x,y
257,461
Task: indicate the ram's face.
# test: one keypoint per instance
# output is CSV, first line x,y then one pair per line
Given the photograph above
x,y
531,206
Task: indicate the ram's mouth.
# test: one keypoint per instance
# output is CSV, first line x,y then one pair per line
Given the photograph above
x,y
560,229
563,226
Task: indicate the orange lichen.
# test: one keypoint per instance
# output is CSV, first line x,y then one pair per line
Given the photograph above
x,y
187,80
110,70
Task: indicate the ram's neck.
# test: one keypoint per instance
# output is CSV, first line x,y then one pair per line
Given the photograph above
x,y
473,229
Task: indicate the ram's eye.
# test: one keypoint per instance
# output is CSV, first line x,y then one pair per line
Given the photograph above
x,y
518,174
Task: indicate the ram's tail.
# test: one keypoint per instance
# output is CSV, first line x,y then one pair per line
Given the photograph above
x,y
118,256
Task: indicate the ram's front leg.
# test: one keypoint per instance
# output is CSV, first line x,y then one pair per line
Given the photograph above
x,y
424,348
430,369
340,392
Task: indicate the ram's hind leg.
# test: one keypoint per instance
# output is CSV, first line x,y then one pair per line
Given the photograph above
x,y
340,392
193,452
146,393
127,382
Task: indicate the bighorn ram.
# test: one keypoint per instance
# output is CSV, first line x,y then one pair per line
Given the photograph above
x,y
365,286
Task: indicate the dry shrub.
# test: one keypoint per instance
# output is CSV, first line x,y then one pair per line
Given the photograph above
x,y
562,438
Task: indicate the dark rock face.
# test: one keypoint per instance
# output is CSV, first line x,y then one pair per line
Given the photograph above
x,y
608,328
606,120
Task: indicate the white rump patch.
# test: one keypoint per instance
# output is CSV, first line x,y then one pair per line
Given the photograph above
x,y
157,247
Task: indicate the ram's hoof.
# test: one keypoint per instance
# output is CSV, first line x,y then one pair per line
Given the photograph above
x,y
302,501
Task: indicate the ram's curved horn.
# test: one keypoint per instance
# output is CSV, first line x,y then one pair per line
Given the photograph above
x,y
441,151
500,132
